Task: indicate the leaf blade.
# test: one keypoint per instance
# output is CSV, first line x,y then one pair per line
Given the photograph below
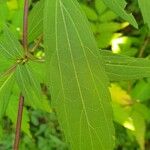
x,y
6,85
74,59
10,46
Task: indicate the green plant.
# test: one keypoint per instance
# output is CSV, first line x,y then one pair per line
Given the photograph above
x,y
76,73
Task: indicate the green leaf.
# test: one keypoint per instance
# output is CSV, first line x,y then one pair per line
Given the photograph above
x,y
30,88
77,79
90,13
140,127
39,70
36,21
144,6
143,110
6,84
4,64
10,46
109,27
118,7
108,16
120,67
122,116
100,6
104,39
141,91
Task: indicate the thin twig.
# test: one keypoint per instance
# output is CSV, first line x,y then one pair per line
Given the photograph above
x,y
9,71
19,121
37,43
146,42
25,27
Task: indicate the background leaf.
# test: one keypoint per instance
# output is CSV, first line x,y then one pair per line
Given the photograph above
x,y
144,6
120,67
118,7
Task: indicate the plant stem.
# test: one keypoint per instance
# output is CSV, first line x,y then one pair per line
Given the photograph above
x,y
19,121
21,98
25,27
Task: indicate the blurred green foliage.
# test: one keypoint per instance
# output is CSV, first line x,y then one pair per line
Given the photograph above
x,y
130,100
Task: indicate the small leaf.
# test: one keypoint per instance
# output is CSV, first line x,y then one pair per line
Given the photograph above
x,y
30,88
10,46
122,116
90,13
120,67
140,127
36,21
120,96
77,79
4,64
118,7
100,6
6,84
141,90
108,16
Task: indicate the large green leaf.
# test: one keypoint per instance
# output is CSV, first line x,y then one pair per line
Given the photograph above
x,y
78,82
144,6
36,21
120,67
30,88
6,84
9,45
118,7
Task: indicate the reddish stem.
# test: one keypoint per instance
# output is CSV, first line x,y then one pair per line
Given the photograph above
x,y
21,98
19,121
